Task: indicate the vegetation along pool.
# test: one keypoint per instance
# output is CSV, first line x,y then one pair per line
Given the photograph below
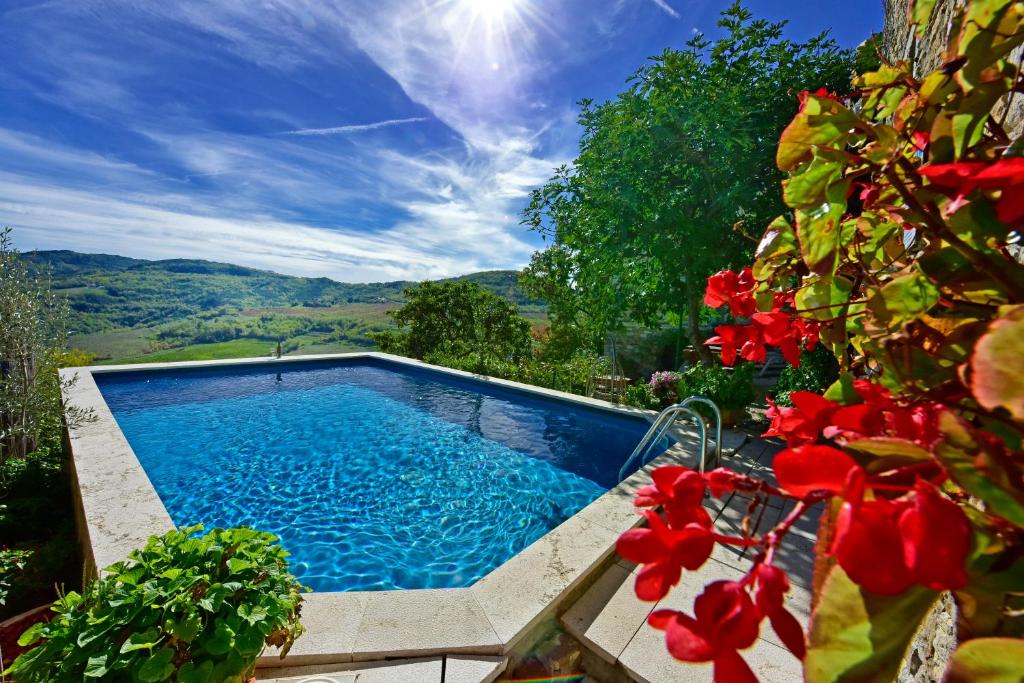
x,y
375,475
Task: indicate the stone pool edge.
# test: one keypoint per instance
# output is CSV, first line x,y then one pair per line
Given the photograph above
x,y
117,509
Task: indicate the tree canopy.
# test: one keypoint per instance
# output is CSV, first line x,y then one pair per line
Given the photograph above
x,y
457,318
669,175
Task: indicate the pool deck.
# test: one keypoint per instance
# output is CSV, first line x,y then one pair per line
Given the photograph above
x,y
349,634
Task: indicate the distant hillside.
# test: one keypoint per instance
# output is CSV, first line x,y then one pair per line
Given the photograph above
x,y
133,310
114,292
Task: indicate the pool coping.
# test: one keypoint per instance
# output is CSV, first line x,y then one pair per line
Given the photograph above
x,y
118,509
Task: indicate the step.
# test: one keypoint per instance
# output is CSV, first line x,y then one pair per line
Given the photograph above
x,y
610,621
447,669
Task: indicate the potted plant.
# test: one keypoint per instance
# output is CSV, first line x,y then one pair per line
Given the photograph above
x,y
732,389
187,607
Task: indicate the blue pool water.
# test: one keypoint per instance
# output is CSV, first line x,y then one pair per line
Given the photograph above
x,y
375,476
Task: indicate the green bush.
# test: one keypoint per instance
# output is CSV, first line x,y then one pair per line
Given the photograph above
x,y
12,564
640,396
196,609
729,388
818,370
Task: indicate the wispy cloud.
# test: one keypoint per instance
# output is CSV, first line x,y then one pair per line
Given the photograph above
x,y
667,8
356,128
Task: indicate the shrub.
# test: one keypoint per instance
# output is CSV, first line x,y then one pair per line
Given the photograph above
x,y
12,563
817,371
186,608
730,388
640,396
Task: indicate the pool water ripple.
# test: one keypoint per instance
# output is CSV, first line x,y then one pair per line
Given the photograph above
x,y
373,476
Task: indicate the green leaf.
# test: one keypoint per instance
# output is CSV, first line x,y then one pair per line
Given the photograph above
x,y
190,672
987,660
842,390
146,640
31,634
821,122
819,229
823,297
921,14
859,636
903,299
96,667
978,470
996,377
187,629
777,245
807,188
159,667
221,641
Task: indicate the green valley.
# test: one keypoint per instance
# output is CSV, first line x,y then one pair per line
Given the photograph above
x,y
134,310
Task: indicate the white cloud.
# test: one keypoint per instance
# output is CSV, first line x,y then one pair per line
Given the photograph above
x,y
667,8
357,128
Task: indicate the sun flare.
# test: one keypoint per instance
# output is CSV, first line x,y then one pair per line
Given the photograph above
x,y
493,9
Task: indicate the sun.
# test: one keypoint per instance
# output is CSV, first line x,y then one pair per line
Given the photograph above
x,y
493,10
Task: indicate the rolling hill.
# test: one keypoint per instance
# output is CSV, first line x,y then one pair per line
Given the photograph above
x,y
126,309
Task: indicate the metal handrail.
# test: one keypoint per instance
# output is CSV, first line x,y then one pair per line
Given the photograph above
x,y
659,428
718,423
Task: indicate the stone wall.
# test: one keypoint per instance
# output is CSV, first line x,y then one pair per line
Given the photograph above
x,y
926,53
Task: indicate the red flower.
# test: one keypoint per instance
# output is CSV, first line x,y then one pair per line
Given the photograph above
x,y
810,469
961,178
936,539
664,553
681,491
772,586
869,547
804,422
726,621
735,289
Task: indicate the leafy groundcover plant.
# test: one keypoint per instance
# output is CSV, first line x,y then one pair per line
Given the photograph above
x,y
906,203
196,609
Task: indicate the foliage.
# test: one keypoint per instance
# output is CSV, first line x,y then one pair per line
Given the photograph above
x,y
12,563
639,395
898,257
458,319
664,385
33,337
647,210
729,388
817,371
187,608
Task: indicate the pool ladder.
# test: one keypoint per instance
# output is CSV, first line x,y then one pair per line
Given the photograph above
x,y
665,420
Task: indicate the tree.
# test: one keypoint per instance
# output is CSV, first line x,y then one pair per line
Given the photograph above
x,y
33,339
457,319
669,172
899,258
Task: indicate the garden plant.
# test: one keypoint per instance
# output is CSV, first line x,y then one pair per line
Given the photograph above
x,y
187,607
907,201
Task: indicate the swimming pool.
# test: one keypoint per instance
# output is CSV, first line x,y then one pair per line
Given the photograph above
x,y
375,475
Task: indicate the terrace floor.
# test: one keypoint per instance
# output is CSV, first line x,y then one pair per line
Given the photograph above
x,y
610,622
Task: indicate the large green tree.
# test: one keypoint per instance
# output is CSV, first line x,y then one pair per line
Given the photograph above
x,y
668,175
457,318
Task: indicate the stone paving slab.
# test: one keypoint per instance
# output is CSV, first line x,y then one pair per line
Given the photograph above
x,y
466,669
611,621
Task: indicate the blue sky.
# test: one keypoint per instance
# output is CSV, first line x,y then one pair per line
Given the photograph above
x,y
361,140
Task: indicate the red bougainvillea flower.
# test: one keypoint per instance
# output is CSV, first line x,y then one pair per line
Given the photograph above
x,y
961,178
664,553
681,491
804,422
885,546
734,289
880,415
726,620
936,539
772,586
